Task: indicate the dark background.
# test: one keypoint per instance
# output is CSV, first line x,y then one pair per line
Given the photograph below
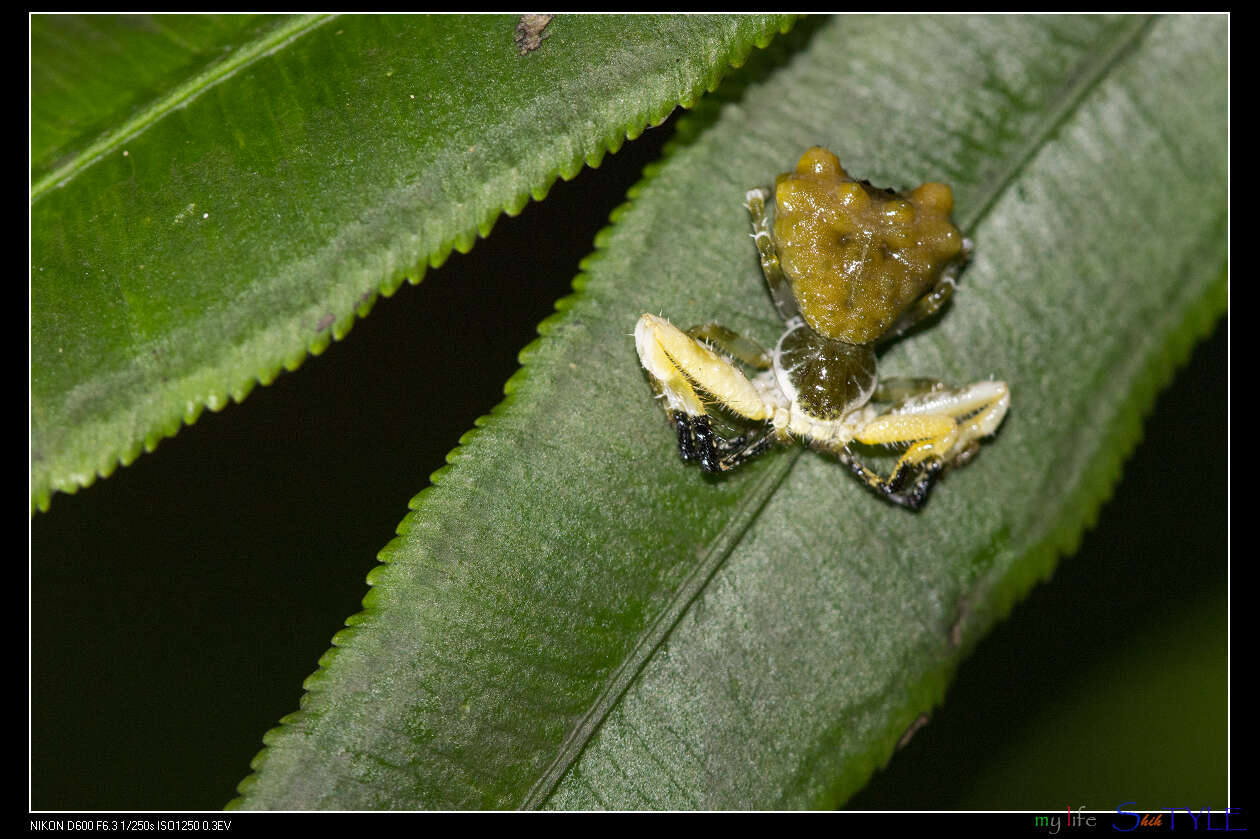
x,y
178,605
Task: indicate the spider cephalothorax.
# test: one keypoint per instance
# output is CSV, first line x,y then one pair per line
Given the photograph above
x,y
849,267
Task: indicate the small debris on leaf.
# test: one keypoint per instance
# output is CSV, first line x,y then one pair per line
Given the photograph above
x,y
529,32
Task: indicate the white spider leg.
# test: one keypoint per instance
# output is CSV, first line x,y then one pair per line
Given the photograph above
x,y
684,368
684,371
943,424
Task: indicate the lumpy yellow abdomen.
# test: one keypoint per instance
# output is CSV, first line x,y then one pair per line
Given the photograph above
x,y
858,256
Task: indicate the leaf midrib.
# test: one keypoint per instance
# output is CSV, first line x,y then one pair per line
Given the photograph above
x,y
658,631
1088,75
192,88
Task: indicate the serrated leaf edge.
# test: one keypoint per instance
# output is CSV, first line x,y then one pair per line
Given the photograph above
x,y
41,491
1079,511
1080,515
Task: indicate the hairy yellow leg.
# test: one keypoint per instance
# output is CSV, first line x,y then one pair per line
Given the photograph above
x,y
682,365
931,434
995,399
940,423
669,380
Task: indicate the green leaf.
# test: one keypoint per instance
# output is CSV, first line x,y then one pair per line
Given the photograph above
x,y
571,618
229,194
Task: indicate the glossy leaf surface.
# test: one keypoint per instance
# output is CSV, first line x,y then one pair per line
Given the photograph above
x,y
572,618
232,193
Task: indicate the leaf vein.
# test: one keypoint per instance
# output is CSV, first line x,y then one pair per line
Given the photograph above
x,y
654,636
1082,82
177,98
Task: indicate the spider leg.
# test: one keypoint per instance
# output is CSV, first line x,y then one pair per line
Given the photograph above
x,y
696,441
895,489
923,308
763,236
942,428
930,303
899,389
733,344
748,451
684,372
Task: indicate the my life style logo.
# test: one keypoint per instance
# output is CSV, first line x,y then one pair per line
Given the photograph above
x,y
1179,818
1185,819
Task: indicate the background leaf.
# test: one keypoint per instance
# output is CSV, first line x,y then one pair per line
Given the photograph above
x,y
205,221
510,653
100,76
197,588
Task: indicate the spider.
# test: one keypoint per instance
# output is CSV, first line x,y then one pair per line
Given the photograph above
x,y
849,267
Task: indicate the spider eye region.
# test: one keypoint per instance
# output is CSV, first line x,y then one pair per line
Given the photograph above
x,y
856,256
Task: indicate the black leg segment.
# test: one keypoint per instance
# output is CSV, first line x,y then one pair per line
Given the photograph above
x,y
697,441
706,448
908,487
686,446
